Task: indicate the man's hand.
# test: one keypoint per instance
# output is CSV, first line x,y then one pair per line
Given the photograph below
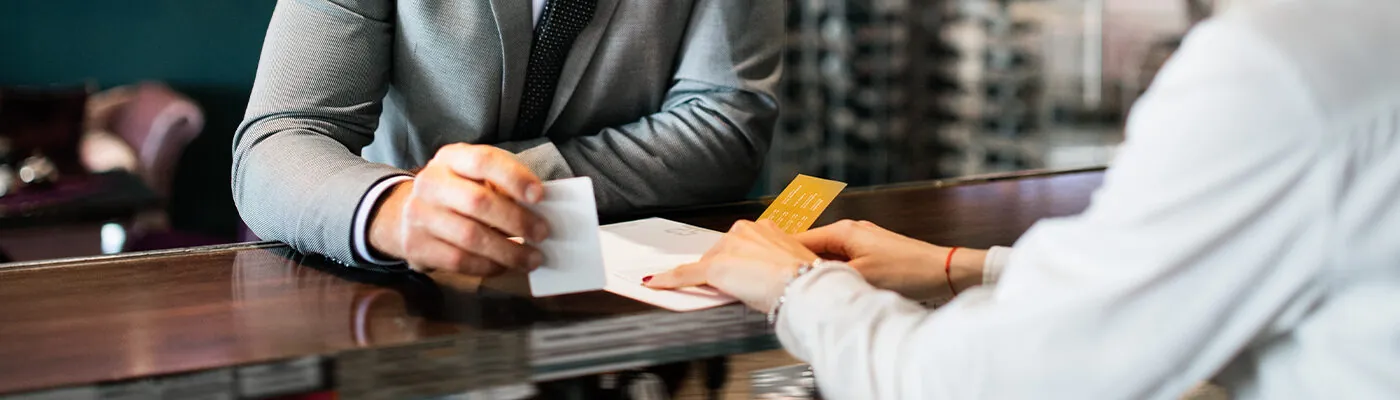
x,y
753,263
459,211
895,262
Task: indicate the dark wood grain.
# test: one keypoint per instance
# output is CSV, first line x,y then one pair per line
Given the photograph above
x,y
104,319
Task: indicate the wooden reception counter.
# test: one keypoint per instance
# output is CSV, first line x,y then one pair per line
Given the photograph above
x,y
257,320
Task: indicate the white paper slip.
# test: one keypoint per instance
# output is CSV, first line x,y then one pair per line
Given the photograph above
x,y
573,260
633,250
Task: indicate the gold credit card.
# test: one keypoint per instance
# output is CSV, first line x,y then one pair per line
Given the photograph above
x,y
799,205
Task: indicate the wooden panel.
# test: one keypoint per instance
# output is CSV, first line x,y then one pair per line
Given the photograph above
x,y
65,323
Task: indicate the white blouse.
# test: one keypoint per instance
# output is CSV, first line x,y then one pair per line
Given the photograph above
x,y
1248,233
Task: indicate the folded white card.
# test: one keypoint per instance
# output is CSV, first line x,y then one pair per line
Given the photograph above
x,y
580,256
634,250
573,260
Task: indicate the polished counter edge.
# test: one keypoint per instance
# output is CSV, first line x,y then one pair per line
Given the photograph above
x,y
914,185
974,179
57,262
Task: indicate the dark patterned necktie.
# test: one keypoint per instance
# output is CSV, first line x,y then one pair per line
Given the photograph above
x,y
560,22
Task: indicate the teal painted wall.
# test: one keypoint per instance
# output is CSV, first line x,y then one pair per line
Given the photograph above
x,y
207,49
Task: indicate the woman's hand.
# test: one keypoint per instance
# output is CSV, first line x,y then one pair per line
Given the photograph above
x,y
753,262
895,262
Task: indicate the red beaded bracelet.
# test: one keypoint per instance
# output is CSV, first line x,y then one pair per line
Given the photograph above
x,y
948,270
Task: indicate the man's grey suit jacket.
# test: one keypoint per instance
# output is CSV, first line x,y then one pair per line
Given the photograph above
x,y
661,102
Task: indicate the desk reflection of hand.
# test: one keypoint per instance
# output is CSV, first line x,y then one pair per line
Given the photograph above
x,y
380,316
279,291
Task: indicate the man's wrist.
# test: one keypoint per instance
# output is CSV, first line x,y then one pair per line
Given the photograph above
x,y
798,270
377,242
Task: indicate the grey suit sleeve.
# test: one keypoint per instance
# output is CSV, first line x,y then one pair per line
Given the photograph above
x,y
297,173
708,141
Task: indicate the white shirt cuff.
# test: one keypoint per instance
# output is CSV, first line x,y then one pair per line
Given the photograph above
x,y
997,257
810,296
361,227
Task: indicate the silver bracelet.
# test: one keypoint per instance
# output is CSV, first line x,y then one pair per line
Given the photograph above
x,y
802,269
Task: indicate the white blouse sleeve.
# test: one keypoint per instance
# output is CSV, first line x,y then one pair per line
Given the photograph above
x,y
1186,253
997,258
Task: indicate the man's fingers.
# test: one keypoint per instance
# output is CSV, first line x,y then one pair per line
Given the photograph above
x,y
687,275
490,164
477,239
431,254
483,204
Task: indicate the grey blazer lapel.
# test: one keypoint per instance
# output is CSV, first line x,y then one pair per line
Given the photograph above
x,y
580,55
513,21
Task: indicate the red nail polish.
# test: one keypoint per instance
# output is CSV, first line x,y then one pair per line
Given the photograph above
x,y
646,279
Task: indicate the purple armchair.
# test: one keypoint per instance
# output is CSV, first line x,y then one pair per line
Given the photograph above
x,y
156,123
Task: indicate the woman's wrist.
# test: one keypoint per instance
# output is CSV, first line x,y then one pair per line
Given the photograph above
x,y
966,268
798,270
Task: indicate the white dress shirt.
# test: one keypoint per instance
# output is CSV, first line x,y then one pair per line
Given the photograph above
x,y
1248,234
376,192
